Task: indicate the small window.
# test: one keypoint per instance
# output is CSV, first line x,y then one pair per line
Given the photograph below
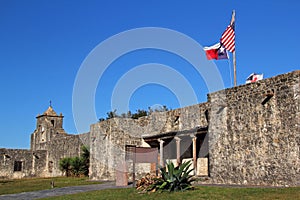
x,y
18,166
52,122
50,166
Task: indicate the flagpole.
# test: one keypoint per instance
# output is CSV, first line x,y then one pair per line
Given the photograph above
x,y
233,54
234,68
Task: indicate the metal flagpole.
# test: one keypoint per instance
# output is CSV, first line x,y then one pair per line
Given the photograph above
x,y
234,68
232,23
228,41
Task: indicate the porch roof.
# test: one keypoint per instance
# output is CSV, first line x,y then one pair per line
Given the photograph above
x,y
195,131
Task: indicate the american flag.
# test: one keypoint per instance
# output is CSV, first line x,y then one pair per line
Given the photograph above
x,y
228,37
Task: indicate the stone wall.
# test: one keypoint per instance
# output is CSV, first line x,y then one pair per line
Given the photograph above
x,y
31,163
109,138
64,146
108,141
176,120
42,163
254,135
85,139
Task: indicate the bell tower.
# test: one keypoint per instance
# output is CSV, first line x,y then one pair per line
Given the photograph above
x,y
48,126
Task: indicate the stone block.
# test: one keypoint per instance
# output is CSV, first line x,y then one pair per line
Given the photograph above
x,y
202,167
121,174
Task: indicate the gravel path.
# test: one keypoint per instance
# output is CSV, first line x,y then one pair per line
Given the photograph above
x,y
59,191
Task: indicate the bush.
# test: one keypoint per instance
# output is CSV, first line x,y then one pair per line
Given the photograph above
x,y
85,156
76,166
175,179
65,166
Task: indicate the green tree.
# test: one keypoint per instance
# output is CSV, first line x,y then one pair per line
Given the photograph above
x,y
139,113
158,109
129,114
101,119
65,165
76,166
112,114
85,156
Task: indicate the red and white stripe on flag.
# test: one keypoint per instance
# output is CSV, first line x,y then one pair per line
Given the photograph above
x,y
228,39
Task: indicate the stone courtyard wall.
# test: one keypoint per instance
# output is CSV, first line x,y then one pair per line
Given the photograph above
x,y
64,146
33,163
109,138
179,119
254,133
253,137
42,163
107,148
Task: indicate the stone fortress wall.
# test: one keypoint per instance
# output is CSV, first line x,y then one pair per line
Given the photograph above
x,y
110,137
254,132
249,134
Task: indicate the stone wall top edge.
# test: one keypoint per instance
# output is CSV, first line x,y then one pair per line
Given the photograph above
x,y
6,149
194,105
203,104
108,121
264,81
80,134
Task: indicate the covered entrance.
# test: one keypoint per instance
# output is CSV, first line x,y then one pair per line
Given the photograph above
x,y
181,146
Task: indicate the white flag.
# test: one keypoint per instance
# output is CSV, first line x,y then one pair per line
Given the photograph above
x,y
254,77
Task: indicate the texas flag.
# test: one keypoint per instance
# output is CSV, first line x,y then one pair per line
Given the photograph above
x,y
216,51
254,77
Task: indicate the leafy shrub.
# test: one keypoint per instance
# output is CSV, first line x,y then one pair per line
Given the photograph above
x,y
76,166
174,179
65,165
85,156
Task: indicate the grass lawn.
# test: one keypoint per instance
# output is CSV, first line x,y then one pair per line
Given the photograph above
x,y
33,184
203,192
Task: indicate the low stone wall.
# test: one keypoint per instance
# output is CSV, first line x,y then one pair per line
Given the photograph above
x,y
31,163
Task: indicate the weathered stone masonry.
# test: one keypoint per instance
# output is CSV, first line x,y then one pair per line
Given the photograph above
x,y
243,135
30,163
49,143
109,138
254,135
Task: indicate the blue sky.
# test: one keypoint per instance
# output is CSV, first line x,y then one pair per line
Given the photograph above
x,y
44,43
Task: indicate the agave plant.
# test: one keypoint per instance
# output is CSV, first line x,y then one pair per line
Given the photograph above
x,y
174,178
